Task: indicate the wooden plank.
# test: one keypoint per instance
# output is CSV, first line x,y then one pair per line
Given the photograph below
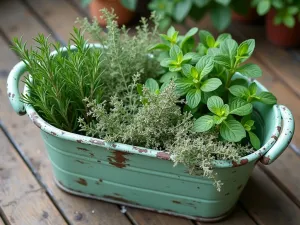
x,y
23,201
267,204
78,210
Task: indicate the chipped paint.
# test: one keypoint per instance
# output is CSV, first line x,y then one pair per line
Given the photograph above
x,y
81,181
163,155
118,159
79,141
81,162
82,149
265,160
274,137
176,202
278,128
140,150
244,161
97,142
53,133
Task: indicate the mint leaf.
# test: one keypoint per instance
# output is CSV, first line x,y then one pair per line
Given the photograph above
x,y
214,104
171,31
267,98
222,38
253,88
229,48
222,60
239,81
213,52
205,65
203,36
186,69
183,85
220,16
223,2
194,57
263,7
159,46
289,21
240,107
239,91
254,140
210,40
204,123
175,68
176,53
187,57
245,50
193,98
232,130
211,84
166,62
169,76
219,119
182,9
139,88
187,36
151,84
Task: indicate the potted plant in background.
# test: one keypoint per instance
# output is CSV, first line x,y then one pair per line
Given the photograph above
x,y
124,9
243,12
116,116
282,21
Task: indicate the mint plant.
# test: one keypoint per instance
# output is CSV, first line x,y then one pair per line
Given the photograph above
x,y
205,76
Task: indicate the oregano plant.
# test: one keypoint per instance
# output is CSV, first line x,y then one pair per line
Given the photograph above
x,y
206,77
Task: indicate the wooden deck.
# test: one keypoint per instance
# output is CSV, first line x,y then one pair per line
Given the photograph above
x,y
28,194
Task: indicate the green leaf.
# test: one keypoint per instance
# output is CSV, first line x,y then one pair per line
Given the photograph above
x,y
203,34
188,35
182,9
187,57
204,123
159,46
292,10
222,38
139,88
289,21
250,70
253,88
254,140
176,53
129,4
151,84
201,3
267,98
232,130
186,69
213,51
239,81
195,57
183,85
205,65
245,119
245,50
223,60
175,68
165,22
210,41
214,104
171,31
166,62
193,98
219,119
263,7
220,16
211,84
239,91
169,76
240,107
164,86
223,2
229,48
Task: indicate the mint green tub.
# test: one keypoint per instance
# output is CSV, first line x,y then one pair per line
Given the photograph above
x,y
145,178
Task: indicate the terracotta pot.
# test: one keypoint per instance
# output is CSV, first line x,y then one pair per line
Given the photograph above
x,y
280,34
124,15
250,17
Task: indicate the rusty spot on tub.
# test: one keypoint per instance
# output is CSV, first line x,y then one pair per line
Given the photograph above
x,y
118,159
163,155
81,181
77,160
278,128
82,149
97,142
266,160
9,94
79,141
239,187
92,155
140,150
53,133
244,161
176,202
275,137
120,199
234,164
13,95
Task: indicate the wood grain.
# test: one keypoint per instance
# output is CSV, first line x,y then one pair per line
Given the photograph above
x,y
267,203
23,201
78,210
